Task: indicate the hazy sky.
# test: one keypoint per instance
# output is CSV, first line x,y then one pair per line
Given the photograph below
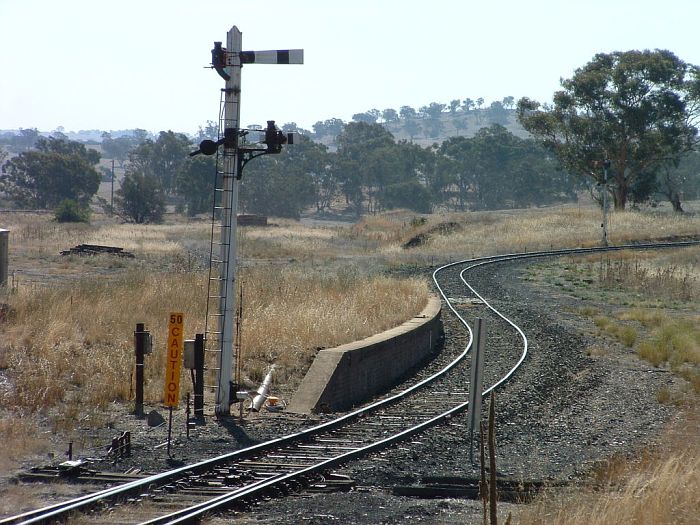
x,y
122,64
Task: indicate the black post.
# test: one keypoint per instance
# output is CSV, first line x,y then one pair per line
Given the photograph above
x,y
199,376
170,428
139,344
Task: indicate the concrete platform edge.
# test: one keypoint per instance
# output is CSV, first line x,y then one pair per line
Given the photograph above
x,y
347,375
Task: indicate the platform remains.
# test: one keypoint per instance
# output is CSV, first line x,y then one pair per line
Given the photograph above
x,y
350,374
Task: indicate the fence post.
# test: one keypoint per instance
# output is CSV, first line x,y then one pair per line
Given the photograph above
x,y
4,255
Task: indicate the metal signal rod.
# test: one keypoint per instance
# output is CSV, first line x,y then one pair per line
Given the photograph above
x,y
233,58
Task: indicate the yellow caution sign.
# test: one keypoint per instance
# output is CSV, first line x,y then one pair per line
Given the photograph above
x,y
171,392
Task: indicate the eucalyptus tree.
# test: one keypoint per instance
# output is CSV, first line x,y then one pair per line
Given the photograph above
x,y
329,127
210,131
637,109
495,169
161,159
310,161
356,146
681,180
456,168
497,113
26,139
508,102
58,169
411,128
390,115
140,198
195,182
409,185
433,110
366,116
407,113
117,148
273,186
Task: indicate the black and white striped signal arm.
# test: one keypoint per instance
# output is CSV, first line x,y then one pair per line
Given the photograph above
x,y
279,56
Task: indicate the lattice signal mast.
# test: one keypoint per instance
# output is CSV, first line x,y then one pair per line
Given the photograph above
x,y
228,62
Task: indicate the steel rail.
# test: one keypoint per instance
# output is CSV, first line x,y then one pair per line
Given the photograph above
x,y
59,510
186,515
62,509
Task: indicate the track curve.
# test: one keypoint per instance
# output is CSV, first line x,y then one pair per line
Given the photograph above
x,y
286,463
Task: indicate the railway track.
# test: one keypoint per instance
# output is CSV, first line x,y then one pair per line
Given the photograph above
x,y
277,467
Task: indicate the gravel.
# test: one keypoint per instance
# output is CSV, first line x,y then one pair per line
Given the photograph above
x,y
560,415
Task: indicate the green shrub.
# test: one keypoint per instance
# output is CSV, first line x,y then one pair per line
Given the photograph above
x,y
69,210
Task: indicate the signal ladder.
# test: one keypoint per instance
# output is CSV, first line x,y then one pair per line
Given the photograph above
x,y
222,271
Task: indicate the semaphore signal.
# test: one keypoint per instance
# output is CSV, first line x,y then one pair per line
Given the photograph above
x,y
228,62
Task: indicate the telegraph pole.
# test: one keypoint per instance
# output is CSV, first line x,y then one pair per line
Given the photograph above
x,y
228,63
606,166
111,199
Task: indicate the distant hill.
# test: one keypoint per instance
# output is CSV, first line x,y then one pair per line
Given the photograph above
x,y
459,124
419,130
426,131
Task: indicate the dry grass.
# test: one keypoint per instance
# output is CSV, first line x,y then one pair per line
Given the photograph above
x,y
666,334
17,498
671,341
664,492
39,236
664,290
289,315
660,488
486,233
626,334
63,343
657,277
72,350
19,438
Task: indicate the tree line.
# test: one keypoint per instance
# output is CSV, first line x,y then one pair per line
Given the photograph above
x,y
624,123
369,172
